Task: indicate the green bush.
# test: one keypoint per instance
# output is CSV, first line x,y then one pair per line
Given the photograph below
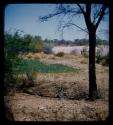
x,y
14,44
11,47
60,54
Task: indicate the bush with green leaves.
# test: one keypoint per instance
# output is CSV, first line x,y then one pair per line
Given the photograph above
x,y
14,44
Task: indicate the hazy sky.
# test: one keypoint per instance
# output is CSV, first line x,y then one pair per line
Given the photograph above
x,y
26,17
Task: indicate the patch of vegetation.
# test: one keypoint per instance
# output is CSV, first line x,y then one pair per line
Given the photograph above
x,y
85,52
12,47
104,60
84,61
60,90
37,66
60,54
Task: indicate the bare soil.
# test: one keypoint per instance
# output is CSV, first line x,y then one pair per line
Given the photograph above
x,y
27,107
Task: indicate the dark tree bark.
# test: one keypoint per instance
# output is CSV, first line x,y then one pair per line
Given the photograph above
x,y
93,93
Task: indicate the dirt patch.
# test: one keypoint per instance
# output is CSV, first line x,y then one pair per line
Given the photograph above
x,y
27,107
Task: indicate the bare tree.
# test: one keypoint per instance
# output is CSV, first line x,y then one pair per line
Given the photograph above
x,y
93,14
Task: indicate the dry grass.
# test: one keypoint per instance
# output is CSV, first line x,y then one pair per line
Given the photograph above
x,y
57,89
76,83
34,55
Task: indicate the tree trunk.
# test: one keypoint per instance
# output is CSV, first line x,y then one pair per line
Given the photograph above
x,y
93,93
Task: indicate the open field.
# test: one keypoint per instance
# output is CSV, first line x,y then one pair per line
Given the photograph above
x,y
60,91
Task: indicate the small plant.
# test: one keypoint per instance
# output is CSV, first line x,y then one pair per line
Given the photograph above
x,y
98,56
60,91
104,60
34,74
60,54
85,52
101,93
84,61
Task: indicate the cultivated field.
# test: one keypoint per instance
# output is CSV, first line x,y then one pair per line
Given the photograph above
x,y
60,90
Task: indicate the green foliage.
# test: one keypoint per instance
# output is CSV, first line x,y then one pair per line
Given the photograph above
x,y
37,66
17,43
60,54
10,53
35,45
13,45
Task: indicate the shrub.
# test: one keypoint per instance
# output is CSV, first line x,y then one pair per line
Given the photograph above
x,y
98,56
101,93
60,54
46,50
104,60
60,90
84,52
84,61
12,42
13,46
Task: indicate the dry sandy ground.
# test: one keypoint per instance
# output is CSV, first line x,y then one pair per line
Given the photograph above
x,y
62,95
35,108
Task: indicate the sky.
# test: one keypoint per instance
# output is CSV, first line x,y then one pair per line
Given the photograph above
x,y
25,17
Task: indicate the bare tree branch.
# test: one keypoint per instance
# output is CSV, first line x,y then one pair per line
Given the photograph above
x,y
97,14
45,18
69,24
101,15
82,10
88,16
60,10
67,10
88,11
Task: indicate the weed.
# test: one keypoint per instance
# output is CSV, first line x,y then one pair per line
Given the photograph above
x,y
60,54
85,52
